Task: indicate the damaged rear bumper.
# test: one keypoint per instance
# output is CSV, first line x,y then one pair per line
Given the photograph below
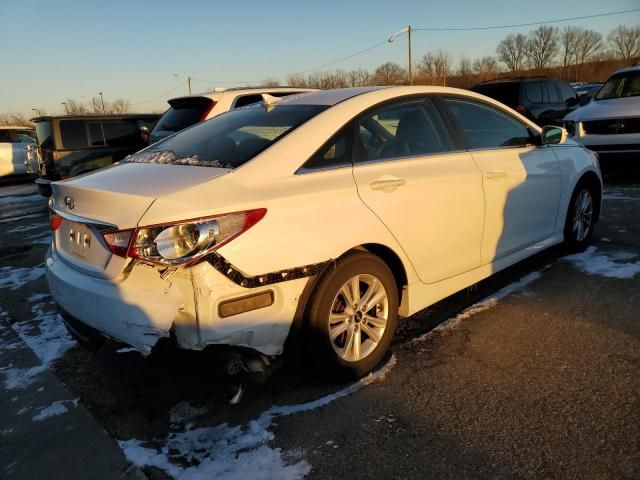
x,y
130,313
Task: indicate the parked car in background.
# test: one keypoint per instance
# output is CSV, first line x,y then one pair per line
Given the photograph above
x,y
313,221
186,111
543,100
70,145
610,123
587,91
14,142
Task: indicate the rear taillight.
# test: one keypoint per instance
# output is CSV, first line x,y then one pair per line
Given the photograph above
x,y
118,241
181,243
54,221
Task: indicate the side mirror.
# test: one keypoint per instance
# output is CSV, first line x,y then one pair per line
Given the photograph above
x,y
571,102
552,135
584,99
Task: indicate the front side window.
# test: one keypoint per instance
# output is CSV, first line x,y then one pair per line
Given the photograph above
x,y
228,140
566,92
485,127
621,85
402,130
73,133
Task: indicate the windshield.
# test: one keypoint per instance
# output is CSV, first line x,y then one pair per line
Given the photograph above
x,y
622,85
230,139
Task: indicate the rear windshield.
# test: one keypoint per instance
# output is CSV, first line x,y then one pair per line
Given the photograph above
x,y
622,85
183,113
230,139
43,132
506,93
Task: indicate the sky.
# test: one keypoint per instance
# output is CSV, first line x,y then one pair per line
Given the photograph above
x,y
53,50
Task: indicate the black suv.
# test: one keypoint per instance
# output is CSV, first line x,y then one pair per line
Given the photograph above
x,y
541,99
73,144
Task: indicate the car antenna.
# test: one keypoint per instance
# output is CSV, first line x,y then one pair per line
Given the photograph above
x,y
269,101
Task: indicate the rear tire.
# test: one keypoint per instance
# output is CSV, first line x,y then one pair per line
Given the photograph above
x,y
352,316
581,216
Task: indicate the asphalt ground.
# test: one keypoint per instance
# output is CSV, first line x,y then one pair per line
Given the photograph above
x,y
533,373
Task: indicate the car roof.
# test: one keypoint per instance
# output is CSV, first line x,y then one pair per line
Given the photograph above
x,y
218,92
91,116
632,68
326,97
15,127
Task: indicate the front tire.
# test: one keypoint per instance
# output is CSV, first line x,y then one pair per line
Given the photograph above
x,y
581,217
352,316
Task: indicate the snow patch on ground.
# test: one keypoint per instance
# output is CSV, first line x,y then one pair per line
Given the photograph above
x,y
235,452
46,336
617,196
18,216
610,265
56,408
12,199
484,304
15,278
28,228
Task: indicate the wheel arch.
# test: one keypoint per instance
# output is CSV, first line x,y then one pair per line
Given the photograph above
x,y
591,179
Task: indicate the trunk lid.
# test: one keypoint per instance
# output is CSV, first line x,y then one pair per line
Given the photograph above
x,y
112,198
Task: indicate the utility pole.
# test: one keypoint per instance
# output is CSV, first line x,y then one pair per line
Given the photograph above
x,y
189,83
397,34
102,100
410,65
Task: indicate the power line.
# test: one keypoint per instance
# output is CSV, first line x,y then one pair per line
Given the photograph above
x,y
160,96
497,27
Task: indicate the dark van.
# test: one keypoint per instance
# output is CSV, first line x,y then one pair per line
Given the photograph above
x,y
71,145
543,100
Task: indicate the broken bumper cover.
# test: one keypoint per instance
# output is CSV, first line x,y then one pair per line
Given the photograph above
x,y
130,313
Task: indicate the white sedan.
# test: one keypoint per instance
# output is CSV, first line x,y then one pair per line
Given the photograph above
x,y
313,221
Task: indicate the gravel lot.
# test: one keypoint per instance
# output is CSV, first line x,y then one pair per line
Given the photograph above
x,y
531,374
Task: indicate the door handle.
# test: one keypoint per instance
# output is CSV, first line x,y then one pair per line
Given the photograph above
x,y
493,175
387,184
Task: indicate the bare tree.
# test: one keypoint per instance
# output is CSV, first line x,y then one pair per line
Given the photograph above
x,y
389,74
513,51
359,77
119,105
436,66
296,80
588,43
625,41
542,46
486,68
74,107
270,82
569,44
15,119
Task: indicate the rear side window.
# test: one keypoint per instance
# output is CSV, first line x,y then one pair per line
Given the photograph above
x,y
552,92
228,140
335,153
402,130
533,92
73,133
183,113
121,134
566,92
43,132
5,136
486,127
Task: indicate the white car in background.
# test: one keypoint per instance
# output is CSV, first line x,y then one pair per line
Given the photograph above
x,y
314,221
14,143
610,123
186,111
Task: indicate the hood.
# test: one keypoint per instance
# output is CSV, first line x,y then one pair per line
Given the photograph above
x,y
606,109
120,194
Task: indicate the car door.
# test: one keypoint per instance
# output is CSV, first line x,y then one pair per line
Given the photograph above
x,y
521,180
428,193
6,153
